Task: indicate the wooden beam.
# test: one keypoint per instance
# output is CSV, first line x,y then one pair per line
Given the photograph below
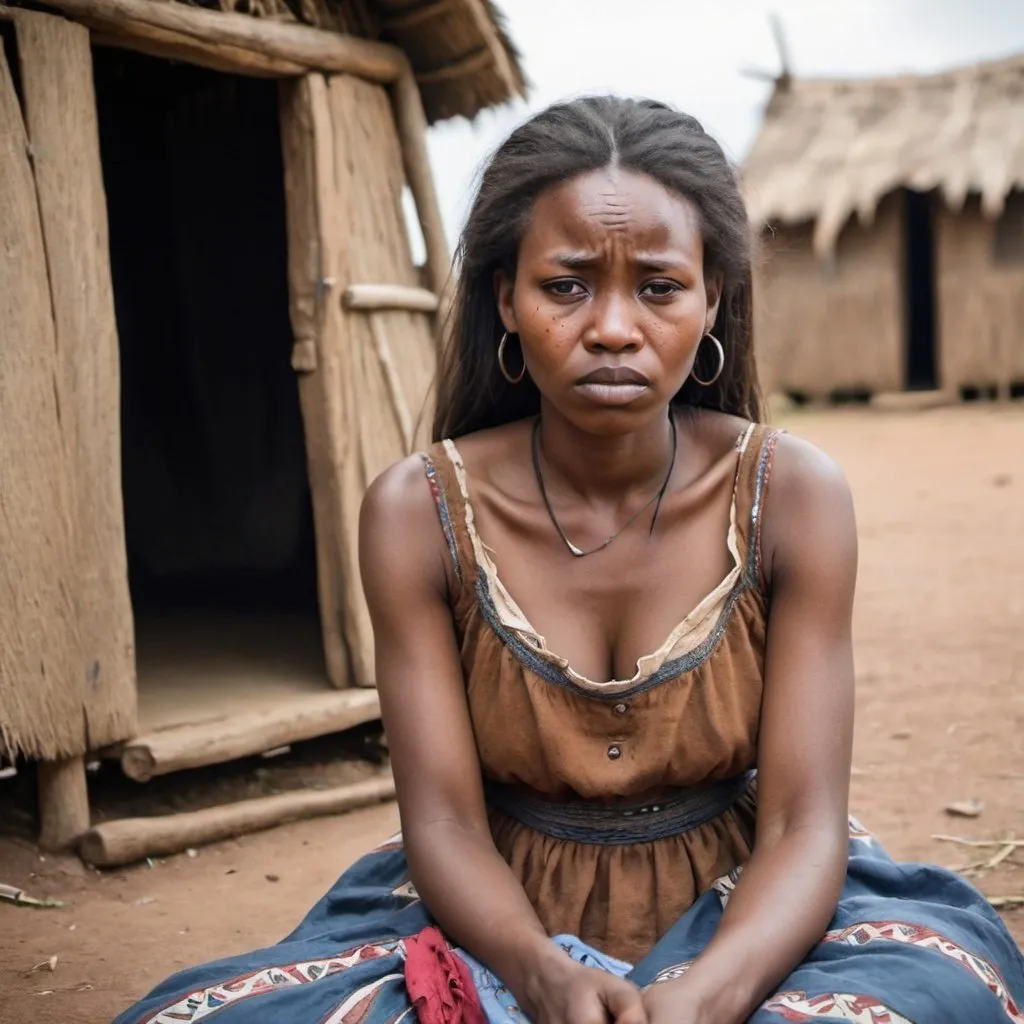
x,y
248,732
113,843
158,42
376,297
312,48
411,124
63,802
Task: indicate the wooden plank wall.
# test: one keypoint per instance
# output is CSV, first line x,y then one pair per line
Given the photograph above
x,y
362,375
60,110
40,692
313,252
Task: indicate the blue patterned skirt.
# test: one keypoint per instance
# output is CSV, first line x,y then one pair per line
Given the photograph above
x,y
909,944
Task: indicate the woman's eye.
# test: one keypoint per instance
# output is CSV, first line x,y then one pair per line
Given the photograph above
x,y
565,289
660,289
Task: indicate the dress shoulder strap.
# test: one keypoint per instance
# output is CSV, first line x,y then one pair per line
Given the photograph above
x,y
442,470
753,475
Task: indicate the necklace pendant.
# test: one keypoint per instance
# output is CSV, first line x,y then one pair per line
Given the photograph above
x,y
575,550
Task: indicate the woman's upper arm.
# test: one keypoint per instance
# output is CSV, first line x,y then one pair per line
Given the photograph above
x,y
402,556
806,735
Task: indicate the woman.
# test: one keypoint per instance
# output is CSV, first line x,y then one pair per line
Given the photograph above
x,y
596,612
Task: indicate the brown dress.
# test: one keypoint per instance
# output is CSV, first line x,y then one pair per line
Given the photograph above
x,y
688,717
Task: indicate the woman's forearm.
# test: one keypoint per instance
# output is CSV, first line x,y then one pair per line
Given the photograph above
x,y
780,908
478,902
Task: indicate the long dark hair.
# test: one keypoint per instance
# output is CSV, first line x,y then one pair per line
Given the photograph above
x,y
557,144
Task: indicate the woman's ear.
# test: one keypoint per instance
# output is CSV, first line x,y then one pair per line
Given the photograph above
x,y
713,291
504,286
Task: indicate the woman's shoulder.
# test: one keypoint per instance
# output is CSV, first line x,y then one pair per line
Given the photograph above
x,y
399,497
808,506
402,493
802,471
798,465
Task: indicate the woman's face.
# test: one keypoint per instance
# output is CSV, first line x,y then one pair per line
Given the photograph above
x,y
609,300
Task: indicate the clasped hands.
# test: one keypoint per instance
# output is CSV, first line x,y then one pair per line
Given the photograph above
x,y
569,993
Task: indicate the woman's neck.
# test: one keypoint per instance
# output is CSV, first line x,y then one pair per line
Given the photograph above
x,y
600,468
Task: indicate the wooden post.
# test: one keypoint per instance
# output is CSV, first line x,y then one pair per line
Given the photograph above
x,y
411,125
63,802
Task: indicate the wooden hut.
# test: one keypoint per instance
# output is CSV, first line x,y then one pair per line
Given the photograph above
x,y
892,217
215,334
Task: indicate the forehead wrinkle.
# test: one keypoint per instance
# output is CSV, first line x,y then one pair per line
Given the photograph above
x,y
604,215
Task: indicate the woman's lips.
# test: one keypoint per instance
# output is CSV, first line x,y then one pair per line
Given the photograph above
x,y
613,385
613,394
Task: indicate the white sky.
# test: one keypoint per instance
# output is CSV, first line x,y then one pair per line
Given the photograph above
x,y
691,52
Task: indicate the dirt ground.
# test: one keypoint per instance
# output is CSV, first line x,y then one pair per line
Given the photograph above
x,y
940,656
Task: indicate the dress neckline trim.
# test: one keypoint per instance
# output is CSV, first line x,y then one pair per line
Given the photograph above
x,y
691,633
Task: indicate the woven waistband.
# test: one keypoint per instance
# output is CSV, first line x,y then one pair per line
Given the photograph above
x,y
583,821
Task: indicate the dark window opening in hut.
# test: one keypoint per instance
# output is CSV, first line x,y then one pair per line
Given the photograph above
x,y
1008,238
217,510
920,366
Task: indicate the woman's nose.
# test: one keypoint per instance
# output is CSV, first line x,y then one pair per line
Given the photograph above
x,y
614,327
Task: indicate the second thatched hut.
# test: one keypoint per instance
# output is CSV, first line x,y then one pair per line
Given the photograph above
x,y
892,216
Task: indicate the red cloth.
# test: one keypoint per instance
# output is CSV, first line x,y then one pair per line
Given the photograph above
x,y
439,983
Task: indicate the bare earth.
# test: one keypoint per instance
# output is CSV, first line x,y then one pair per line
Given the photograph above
x,y
940,654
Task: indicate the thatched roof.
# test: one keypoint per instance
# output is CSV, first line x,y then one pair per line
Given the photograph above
x,y
831,148
462,55
460,50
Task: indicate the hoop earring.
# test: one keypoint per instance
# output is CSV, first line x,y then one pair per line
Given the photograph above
x,y
501,363
721,363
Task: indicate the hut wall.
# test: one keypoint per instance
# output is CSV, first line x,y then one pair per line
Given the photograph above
x,y
365,376
833,325
980,291
40,713
67,679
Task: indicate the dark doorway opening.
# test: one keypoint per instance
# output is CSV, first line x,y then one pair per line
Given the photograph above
x,y
921,361
218,516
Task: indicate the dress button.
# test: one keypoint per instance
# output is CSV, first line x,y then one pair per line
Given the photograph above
x,y
614,752
621,709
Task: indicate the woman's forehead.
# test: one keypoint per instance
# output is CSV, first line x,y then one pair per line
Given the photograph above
x,y
614,208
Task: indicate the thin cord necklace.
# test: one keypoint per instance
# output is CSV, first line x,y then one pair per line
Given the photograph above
x,y
573,550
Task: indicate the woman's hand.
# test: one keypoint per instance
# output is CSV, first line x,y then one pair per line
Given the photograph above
x,y
565,992
672,1002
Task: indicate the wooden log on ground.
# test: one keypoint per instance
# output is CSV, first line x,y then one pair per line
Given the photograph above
x,y
411,125
113,843
252,732
312,48
63,802
376,297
